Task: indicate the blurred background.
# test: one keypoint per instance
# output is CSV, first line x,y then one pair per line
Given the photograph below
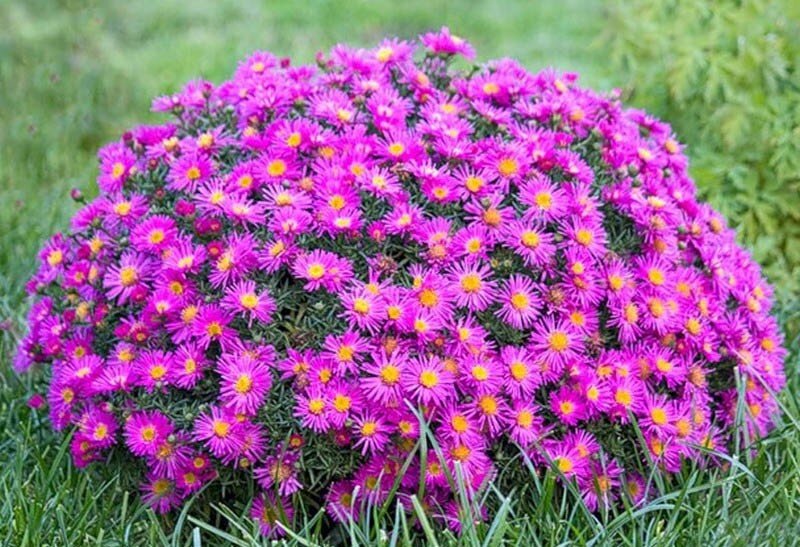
x,y
75,74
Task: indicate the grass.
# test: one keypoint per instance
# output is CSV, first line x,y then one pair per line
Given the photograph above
x,y
76,74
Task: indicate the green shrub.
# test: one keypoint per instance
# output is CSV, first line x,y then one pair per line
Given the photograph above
x,y
726,75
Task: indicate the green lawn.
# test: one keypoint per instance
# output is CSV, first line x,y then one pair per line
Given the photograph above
x,y
75,74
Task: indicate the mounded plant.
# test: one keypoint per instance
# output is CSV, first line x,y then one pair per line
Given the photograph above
x,y
344,285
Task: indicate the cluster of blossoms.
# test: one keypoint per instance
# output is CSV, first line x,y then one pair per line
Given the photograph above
x,y
343,257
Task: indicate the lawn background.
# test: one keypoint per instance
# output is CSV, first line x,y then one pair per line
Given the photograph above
x,y
76,74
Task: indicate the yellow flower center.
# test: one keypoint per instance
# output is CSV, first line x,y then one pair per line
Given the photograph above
x,y
584,237
316,406
460,423
158,372
128,276
361,306
471,283
156,236
474,184
544,200
193,173
221,428
148,433
249,300
525,419
655,276
566,407
117,170
100,432
519,371
214,329
520,301
658,415
390,374
341,402
276,168
508,167
315,271
396,149
564,464
558,341
428,298
243,385
488,405
428,379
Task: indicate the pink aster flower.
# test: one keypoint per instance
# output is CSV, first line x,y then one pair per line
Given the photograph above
x,y
443,42
427,381
567,405
322,269
312,410
146,431
273,515
154,234
382,382
117,164
189,171
243,298
153,369
556,343
219,431
472,289
520,303
244,383
363,309
212,325
279,472
372,432
131,274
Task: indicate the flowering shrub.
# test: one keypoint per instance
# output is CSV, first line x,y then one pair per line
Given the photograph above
x,y
378,276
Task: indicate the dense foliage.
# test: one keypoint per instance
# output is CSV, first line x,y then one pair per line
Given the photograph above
x,y
379,277
727,76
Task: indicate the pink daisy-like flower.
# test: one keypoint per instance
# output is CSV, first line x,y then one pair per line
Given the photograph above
x,y
372,432
427,381
382,382
117,164
154,369
154,234
219,431
363,309
322,269
556,343
160,493
244,299
146,431
279,472
472,289
520,303
312,410
567,405
189,171
131,274
212,325
443,42
244,383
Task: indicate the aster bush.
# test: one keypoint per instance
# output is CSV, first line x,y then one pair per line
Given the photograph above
x,y
382,279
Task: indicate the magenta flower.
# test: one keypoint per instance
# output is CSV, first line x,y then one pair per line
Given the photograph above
x,y
478,259
426,381
145,431
189,171
244,383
